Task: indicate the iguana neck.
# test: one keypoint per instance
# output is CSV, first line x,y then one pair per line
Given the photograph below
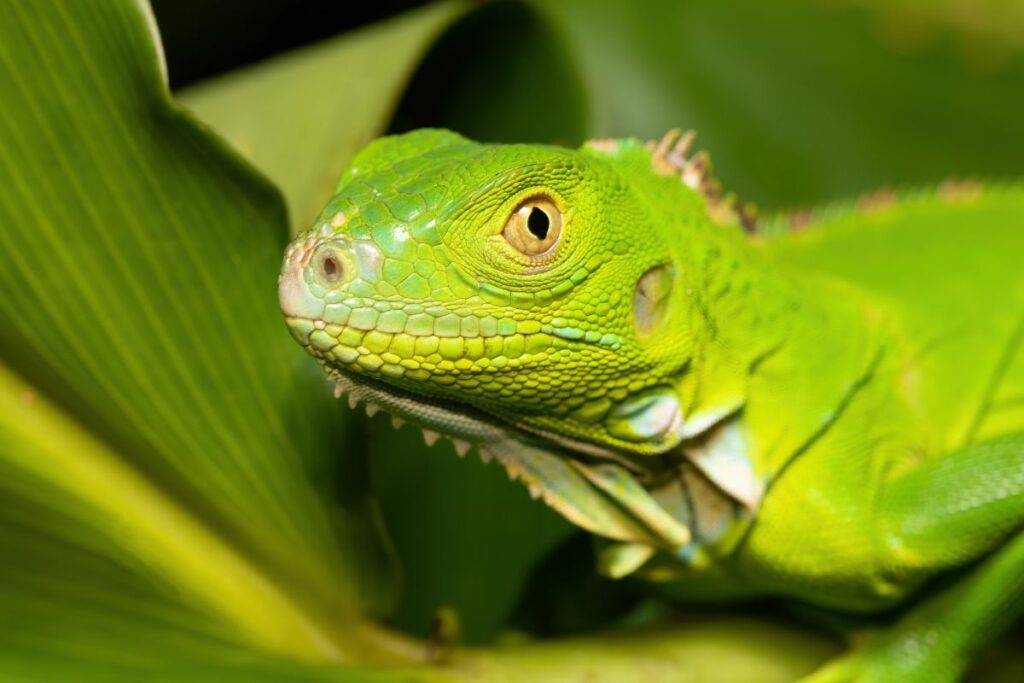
x,y
765,334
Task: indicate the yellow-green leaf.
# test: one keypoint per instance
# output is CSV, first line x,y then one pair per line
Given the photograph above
x,y
299,118
170,412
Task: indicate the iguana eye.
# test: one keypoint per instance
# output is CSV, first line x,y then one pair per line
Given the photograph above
x,y
534,228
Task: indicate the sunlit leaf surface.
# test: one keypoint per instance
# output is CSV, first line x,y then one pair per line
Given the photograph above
x,y
161,422
301,117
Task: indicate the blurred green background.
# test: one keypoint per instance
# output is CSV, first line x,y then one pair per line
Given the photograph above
x,y
181,495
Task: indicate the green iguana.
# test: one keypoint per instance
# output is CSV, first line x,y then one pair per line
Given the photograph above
x,y
833,414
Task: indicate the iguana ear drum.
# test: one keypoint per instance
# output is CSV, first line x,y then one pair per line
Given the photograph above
x,y
650,299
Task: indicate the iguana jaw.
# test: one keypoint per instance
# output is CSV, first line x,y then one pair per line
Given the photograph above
x,y
463,425
605,498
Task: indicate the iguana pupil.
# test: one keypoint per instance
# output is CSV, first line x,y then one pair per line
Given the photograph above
x,y
538,223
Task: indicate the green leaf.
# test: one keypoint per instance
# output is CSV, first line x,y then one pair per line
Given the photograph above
x,y
468,536
163,422
986,32
502,73
301,117
66,485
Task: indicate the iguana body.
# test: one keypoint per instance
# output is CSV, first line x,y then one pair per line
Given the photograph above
x,y
834,413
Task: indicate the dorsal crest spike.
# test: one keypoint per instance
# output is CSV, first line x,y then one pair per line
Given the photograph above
x,y
607,145
669,157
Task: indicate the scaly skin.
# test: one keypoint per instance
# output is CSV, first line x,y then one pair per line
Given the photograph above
x,y
834,414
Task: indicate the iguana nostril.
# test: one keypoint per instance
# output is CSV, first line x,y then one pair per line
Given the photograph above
x,y
331,268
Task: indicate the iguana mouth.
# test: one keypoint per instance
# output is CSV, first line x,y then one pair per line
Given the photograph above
x,y
601,495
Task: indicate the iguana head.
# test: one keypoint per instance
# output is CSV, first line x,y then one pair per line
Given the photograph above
x,y
495,292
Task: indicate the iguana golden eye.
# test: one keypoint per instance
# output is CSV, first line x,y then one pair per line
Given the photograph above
x,y
535,228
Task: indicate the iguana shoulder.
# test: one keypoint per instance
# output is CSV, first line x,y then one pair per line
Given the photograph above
x,y
945,264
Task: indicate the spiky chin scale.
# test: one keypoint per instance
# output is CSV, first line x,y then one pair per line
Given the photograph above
x,y
601,496
465,432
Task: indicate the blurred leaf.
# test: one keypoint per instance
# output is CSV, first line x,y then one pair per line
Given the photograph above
x,y
798,103
468,536
501,74
986,32
164,435
299,118
702,650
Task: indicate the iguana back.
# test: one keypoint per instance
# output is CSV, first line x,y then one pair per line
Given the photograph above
x,y
949,267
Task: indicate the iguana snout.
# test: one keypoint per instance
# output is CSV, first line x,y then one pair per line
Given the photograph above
x,y
315,272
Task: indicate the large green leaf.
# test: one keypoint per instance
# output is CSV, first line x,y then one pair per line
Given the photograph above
x,y
299,118
161,403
